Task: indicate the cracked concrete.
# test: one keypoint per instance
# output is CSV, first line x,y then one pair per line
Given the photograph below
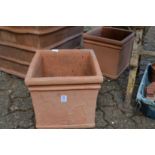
x,y
16,110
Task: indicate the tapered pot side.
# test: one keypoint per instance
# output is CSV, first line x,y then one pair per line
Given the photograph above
x,y
112,47
77,112
64,85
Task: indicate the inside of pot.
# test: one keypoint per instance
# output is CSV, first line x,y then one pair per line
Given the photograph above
x,y
111,33
60,64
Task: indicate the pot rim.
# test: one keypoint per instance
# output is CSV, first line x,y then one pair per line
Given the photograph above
x,y
35,32
65,87
89,36
33,49
63,80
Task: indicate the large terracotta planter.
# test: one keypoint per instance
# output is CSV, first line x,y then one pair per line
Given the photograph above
x,y
18,44
64,85
44,38
112,47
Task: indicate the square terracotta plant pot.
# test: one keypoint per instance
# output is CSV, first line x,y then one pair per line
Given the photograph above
x,y
112,47
64,85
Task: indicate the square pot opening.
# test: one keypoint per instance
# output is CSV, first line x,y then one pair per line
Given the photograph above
x,y
64,64
111,33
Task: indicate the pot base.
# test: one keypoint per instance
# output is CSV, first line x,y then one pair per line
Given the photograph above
x,y
116,76
90,125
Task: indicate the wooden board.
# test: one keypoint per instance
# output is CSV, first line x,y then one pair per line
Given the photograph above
x,y
134,63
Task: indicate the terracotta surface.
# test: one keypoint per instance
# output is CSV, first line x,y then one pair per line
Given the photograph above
x,y
25,56
19,57
64,85
153,73
12,67
31,29
112,47
74,42
17,54
38,41
150,91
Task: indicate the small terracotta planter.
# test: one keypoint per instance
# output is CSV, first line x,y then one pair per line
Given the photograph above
x,y
64,85
112,47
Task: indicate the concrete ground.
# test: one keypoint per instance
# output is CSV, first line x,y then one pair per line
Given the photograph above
x,y
16,110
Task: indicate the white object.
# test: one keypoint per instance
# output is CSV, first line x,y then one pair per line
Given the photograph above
x,y
63,99
55,50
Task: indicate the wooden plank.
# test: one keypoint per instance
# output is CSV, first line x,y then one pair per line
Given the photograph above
x,y
149,53
134,63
